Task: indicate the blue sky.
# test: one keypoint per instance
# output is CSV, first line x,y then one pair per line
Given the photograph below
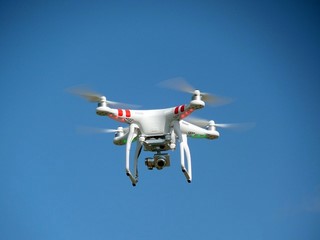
x,y
260,184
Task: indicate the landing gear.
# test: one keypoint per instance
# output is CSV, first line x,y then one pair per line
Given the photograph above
x,y
159,160
132,134
184,151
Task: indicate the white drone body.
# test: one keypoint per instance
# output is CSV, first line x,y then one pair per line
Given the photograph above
x,y
157,131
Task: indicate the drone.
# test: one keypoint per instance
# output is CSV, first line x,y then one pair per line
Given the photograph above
x,y
158,130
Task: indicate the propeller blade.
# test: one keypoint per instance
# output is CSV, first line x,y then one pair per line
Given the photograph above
x,y
197,121
180,84
204,123
230,125
92,96
92,130
215,100
122,105
89,95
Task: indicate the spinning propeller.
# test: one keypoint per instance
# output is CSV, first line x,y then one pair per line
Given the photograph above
x,y
87,130
205,123
92,96
180,84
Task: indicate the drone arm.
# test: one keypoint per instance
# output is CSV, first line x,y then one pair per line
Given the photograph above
x,y
184,111
119,115
184,149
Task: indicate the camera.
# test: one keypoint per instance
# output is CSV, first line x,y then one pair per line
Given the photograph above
x,y
158,161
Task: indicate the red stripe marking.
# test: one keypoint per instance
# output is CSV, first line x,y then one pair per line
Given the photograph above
x,y
176,110
120,112
182,108
128,113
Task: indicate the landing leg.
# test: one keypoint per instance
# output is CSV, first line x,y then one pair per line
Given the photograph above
x,y
136,157
184,150
131,136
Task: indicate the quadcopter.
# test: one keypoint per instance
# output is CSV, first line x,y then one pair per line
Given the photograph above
x,y
158,130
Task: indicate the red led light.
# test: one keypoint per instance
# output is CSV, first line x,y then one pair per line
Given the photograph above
x,y
176,110
128,113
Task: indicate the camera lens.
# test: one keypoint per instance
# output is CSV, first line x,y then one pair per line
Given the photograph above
x,y
161,163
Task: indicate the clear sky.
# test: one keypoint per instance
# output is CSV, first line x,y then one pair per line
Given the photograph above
x,y
57,184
